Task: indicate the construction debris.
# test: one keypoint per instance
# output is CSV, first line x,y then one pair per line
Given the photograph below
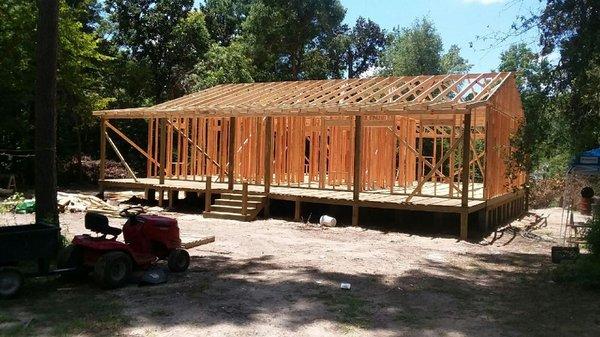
x,y
75,202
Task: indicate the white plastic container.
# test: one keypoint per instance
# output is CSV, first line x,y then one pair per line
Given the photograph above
x,y
328,221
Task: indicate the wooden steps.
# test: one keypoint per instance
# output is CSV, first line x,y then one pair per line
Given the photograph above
x,y
230,207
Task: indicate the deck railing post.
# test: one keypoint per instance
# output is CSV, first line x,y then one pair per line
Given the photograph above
x,y
208,194
466,151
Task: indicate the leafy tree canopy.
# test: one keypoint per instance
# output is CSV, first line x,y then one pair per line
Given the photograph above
x,y
281,32
221,65
167,36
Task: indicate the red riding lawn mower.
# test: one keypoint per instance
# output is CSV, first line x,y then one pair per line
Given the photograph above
x,y
148,239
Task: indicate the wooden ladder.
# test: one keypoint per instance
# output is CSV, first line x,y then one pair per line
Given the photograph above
x,y
235,205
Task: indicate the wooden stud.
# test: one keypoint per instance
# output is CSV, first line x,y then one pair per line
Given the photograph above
x,y
103,148
231,153
163,152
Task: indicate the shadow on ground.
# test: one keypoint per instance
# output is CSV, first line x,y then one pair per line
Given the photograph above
x,y
492,295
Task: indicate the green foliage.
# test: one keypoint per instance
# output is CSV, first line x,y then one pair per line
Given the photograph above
x,y
583,272
453,63
224,18
366,42
221,65
279,34
79,87
541,143
417,50
573,27
593,238
166,38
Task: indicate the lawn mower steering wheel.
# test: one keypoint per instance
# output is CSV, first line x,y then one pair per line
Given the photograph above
x,y
132,211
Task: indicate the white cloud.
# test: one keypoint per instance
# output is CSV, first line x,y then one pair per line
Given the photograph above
x,y
484,2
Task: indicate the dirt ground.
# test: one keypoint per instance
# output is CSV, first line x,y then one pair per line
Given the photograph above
x,y
281,278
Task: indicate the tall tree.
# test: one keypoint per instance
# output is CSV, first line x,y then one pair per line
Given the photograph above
x,y
281,32
366,43
46,209
224,18
221,65
572,27
453,63
541,140
167,36
414,51
417,50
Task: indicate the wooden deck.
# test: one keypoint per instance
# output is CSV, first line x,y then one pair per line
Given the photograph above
x,y
373,199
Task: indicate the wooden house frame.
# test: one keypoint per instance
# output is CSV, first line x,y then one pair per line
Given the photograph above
x,y
429,143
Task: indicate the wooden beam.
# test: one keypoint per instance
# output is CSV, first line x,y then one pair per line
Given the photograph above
x,y
131,142
356,182
466,138
208,194
268,162
102,148
163,150
114,147
464,215
231,153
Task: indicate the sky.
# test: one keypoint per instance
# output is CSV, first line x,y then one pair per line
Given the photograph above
x,y
458,22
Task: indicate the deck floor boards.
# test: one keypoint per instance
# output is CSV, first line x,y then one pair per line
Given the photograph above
x,y
375,198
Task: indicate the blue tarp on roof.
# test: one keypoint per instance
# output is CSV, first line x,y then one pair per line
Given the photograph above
x,y
587,162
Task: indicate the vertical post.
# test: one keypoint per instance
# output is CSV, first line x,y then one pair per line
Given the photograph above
x,y
207,194
356,170
323,154
231,153
244,197
102,147
268,162
297,210
163,150
466,151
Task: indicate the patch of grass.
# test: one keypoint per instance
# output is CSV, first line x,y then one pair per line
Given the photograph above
x,y
77,311
584,272
160,313
6,318
199,287
348,308
409,318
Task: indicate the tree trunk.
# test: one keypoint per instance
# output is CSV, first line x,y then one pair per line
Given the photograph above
x,y
45,113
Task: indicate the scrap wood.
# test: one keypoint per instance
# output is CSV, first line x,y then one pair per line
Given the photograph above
x,y
198,242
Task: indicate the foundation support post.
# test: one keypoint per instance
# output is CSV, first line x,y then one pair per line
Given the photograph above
x,y
208,194
268,163
356,183
466,158
231,153
297,210
163,151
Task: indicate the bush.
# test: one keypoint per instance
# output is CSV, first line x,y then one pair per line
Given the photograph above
x,y
593,238
584,272
72,172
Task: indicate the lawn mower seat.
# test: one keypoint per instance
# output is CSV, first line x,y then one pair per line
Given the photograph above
x,y
98,223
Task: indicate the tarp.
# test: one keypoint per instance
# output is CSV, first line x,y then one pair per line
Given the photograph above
x,y
587,162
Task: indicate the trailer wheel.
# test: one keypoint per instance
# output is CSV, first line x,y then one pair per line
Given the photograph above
x,y
179,260
113,269
11,281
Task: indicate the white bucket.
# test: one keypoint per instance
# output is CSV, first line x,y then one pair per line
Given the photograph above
x,y
327,220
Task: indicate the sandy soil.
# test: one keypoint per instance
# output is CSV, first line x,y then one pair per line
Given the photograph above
x,y
280,278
